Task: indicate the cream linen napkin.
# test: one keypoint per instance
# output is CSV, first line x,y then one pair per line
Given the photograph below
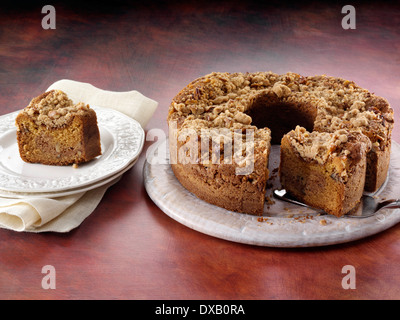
x,y
131,103
63,214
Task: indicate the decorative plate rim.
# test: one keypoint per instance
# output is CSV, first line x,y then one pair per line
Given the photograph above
x,y
68,192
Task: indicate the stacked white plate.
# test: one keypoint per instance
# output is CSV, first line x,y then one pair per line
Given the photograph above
x,y
122,140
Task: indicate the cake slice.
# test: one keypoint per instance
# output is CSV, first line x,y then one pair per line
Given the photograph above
x,y
324,170
52,130
231,179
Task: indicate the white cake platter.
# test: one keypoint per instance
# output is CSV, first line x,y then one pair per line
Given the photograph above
x,y
282,224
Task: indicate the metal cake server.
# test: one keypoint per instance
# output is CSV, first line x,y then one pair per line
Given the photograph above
x,y
370,205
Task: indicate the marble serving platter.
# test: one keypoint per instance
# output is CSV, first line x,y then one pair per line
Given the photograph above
x,y
282,224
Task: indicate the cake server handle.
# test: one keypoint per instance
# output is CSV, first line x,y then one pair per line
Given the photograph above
x,y
388,204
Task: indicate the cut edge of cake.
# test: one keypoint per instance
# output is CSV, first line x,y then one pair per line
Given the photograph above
x,y
324,170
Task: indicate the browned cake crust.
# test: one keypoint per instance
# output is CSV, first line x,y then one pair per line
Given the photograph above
x,y
325,170
52,130
221,183
254,101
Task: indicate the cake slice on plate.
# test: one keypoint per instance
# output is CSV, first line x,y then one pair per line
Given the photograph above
x,y
52,130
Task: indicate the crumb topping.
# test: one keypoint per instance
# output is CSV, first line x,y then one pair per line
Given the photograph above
x,y
222,100
321,146
54,109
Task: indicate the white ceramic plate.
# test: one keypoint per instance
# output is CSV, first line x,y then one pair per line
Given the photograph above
x,y
282,225
68,192
122,140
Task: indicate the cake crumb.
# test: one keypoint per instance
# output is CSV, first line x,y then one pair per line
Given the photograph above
x,y
75,166
262,219
323,222
269,200
303,218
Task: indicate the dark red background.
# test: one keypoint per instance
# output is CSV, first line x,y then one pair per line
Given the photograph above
x,y
128,248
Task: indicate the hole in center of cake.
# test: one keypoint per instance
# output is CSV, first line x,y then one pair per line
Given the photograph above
x,y
281,117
